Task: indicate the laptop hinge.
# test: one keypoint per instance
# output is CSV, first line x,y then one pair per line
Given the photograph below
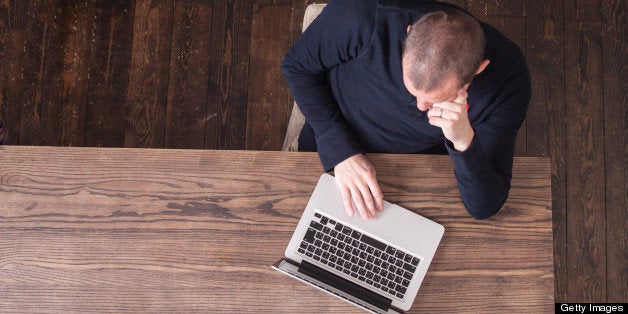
x,y
347,286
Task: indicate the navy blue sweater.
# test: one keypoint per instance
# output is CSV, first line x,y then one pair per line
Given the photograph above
x,y
345,74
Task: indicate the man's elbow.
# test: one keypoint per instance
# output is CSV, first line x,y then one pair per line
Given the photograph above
x,y
484,210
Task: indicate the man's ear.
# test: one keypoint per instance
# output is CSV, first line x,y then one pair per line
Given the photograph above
x,y
409,28
482,66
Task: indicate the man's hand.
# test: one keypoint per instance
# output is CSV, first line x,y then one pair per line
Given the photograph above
x,y
356,178
453,119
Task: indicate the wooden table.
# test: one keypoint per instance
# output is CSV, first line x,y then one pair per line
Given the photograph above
x,y
144,230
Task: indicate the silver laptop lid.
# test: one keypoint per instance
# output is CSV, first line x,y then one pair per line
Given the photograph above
x,y
396,229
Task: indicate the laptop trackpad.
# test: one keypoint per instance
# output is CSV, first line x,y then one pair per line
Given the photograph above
x,y
384,225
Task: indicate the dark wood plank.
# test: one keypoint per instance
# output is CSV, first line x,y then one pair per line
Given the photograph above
x,y
109,73
148,81
11,62
588,10
269,104
507,7
614,59
229,64
76,30
42,87
545,123
13,13
189,69
296,17
586,267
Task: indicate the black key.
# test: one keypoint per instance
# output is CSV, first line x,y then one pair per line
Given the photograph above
x,y
400,289
308,254
354,259
331,221
326,230
369,266
409,268
384,282
347,240
317,215
391,259
318,243
326,238
354,275
324,261
405,282
408,258
391,276
340,237
341,245
362,272
376,269
302,251
362,263
385,257
377,253
340,262
369,275
316,225
338,267
324,220
332,250
376,285
348,265
415,261
399,295
309,235
340,253
319,235
361,278
317,258
399,272
348,249
347,256
407,275
326,255
391,285
355,243
333,242
399,263
338,227
392,268
374,243
346,231
400,255
370,258
378,262
311,248
369,281
333,258
391,250
346,271
398,279
362,246
326,246
356,235
385,265
384,273
303,245
363,255
384,289
377,278
370,250
331,264
333,233
318,252
355,252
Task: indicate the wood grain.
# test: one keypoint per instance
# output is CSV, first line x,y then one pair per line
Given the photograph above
x,y
148,82
585,163
132,229
268,105
13,13
109,74
11,63
76,30
229,60
615,99
587,10
42,85
189,68
545,122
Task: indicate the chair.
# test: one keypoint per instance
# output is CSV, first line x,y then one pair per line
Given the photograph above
x,y
295,124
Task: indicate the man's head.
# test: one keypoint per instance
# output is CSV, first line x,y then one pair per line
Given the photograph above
x,y
442,52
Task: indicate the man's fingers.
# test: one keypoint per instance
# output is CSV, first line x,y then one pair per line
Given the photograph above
x,y
378,196
462,96
367,198
356,196
346,199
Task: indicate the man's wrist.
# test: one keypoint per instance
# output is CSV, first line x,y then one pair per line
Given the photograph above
x,y
463,145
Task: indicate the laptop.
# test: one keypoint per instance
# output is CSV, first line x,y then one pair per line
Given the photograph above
x,y
377,265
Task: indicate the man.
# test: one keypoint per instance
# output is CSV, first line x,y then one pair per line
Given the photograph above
x,y
409,77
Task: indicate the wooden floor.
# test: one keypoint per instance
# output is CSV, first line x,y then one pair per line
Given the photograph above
x,y
205,74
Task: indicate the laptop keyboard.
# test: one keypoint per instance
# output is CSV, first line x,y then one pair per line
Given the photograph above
x,y
349,251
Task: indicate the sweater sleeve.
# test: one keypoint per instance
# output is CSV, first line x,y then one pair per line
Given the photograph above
x,y
484,171
338,35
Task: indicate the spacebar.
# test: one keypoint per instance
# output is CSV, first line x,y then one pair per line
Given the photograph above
x,y
345,286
